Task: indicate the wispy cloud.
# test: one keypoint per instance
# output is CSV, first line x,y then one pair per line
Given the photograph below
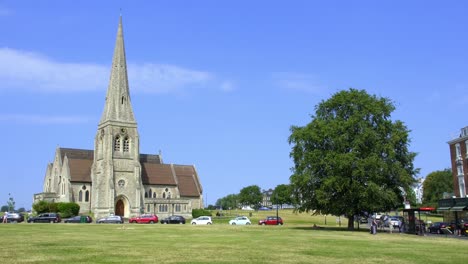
x,y
43,120
299,81
32,71
159,78
35,72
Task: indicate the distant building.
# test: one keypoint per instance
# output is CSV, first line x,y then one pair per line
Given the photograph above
x,y
459,160
266,201
455,208
418,190
115,178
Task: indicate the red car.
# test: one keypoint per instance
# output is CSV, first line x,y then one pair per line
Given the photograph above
x,y
146,219
271,220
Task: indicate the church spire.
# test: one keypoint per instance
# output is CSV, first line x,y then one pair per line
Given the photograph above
x,y
118,106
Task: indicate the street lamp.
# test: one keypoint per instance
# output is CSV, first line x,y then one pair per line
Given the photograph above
x,y
277,219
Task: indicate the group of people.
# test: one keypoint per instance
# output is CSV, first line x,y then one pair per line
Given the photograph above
x,y
385,221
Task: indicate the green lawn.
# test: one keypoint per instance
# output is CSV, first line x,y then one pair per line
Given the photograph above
x,y
295,242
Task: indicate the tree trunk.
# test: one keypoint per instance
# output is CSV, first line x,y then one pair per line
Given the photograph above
x,y
350,222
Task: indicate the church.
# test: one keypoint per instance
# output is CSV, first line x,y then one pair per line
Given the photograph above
x,y
115,178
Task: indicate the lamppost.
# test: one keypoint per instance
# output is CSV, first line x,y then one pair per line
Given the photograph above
x,y
276,198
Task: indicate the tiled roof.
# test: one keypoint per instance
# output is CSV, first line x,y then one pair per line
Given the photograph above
x,y
188,180
152,173
80,170
76,153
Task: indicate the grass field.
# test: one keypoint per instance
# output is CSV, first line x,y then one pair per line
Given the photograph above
x,y
295,242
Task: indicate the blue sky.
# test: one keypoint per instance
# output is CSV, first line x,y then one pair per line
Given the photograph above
x,y
219,83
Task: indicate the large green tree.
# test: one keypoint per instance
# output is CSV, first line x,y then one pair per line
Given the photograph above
x,y
282,195
434,186
251,196
351,158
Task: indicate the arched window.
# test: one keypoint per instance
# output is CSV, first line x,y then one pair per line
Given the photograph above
x,y
117,143
126,144
149,193
86,196
146,194
164,195
80,196
154,195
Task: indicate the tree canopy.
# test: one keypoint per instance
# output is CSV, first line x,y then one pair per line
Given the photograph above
x,y
281,195
351,158
251,196
230,201
434,186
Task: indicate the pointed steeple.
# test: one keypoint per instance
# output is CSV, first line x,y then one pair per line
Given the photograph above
x,y
118,106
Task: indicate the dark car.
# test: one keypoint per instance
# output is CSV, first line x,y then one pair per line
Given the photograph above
x,y
175,219
79,219
271,220
45,218
111,219
15,218
437,226
146,219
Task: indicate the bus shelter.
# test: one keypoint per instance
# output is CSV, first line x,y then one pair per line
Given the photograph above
x,y
412,220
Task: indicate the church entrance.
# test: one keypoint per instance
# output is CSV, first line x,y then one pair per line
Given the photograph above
x,y
120,208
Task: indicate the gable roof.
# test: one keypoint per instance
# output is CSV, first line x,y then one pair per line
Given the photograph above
x,y
80,170
153,172
189,184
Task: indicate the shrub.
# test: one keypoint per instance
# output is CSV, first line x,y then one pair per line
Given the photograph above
x,y
41,207
68,209
199,212
65,209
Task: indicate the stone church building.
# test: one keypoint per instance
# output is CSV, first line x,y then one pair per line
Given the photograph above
x,y
115,178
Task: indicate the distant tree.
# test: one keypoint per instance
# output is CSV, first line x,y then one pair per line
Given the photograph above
x,y
435,184
282,194
4,208
11,204
230,201
211,207
21,210
251,196
411,197
351,158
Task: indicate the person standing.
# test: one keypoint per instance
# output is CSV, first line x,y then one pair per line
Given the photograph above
x,y
5,217
374,226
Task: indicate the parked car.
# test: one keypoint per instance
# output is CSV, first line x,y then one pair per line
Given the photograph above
x,y
79,219
396,221
174,219
271,220
146,219
111,219
45,218
437,226
202,220
240,220
15,218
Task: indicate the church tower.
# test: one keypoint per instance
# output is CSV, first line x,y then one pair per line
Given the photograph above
x,y
117,187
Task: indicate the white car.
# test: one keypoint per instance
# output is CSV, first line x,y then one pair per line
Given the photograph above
x,y
240,220
202,220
